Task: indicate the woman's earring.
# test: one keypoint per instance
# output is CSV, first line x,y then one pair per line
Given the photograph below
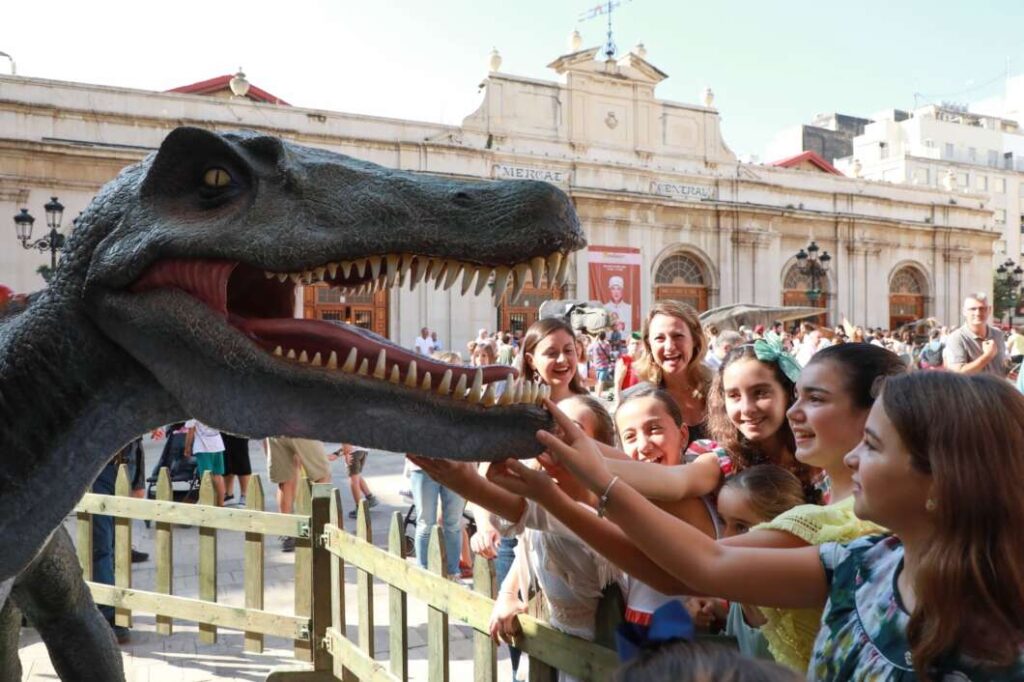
x,y
930,505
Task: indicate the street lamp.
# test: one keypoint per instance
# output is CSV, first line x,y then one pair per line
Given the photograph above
x,y
814,267
1010,275
54,241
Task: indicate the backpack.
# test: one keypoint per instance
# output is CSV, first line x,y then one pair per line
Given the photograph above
x,y
932,357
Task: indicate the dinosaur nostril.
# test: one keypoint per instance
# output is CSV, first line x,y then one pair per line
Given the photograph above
x,y
463,199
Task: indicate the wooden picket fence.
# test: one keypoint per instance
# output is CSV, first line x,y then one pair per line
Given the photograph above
x,y
318,626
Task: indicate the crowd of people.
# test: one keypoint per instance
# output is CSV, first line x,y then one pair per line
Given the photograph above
x,y
844,504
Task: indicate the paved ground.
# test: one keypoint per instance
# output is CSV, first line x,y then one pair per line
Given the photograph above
x,y
181,658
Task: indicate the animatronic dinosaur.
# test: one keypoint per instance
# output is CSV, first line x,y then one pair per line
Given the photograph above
x,y
175,298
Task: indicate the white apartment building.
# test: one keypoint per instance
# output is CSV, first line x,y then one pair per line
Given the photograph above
x,y
953,148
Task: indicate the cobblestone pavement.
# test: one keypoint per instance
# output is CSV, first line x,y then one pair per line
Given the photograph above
x,y
180,657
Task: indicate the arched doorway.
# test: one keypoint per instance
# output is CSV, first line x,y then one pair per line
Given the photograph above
x,y
795,286
681,277
369,310
907,291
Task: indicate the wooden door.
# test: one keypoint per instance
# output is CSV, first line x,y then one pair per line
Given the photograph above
x,y
519,314
799,298
369,311
696,296
905,308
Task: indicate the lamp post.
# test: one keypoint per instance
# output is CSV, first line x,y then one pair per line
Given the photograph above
x,y
52,242
814,267
1010,276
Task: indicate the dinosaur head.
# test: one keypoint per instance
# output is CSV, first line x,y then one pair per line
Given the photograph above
x,y
198,252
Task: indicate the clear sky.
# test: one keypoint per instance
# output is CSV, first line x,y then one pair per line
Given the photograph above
x,y
772,64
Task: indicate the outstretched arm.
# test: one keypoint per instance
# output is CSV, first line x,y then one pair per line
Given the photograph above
x,y
786,578
604,537
658,482
462,478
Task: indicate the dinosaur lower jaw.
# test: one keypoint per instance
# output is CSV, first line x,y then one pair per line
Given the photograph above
x,y
260,308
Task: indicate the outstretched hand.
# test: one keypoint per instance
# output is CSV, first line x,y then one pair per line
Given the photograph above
x,y
519,479
575,450
447,472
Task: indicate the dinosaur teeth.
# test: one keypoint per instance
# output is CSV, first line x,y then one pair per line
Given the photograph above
x,y
291,354
332,270
303,357
396,374
442,273
416,268
467,279
392,269
346,268
460,388
410,375
483,274
520,273
537,266
554,262
278,351
490,398
319,273
436,266
332,361
282,276
317,360
501,274
295,277
563,271
381,368
268,274
508,395
445,386
350,361
364,368
425,386
454,267
361,267
374,262
477,391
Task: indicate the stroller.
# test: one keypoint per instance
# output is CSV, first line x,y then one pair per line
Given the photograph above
x,y
184,481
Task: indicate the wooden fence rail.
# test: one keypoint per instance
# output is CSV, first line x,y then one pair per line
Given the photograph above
x,y
318,626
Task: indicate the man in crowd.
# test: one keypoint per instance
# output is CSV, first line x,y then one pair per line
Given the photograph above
x,y
618,309
724,342
424,344
976,347
285,455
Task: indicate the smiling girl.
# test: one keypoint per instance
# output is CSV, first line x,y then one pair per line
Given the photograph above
x,y
942,598
549,357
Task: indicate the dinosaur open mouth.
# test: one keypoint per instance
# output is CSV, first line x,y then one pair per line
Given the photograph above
x,y
260,305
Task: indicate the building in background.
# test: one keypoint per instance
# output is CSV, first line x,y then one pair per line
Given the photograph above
x,y
644,173
830,136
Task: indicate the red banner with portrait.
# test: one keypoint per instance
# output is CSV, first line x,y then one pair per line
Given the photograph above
x,y
615,283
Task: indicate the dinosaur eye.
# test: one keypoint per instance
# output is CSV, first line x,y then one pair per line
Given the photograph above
x,y
216,178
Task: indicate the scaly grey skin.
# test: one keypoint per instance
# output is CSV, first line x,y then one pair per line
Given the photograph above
x,y
165,306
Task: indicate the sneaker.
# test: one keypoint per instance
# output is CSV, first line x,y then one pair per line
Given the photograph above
x,y
241,501
287,544
138,557
228,498
354,514
372,501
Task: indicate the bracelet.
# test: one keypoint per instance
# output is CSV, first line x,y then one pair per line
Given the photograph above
x,y
603,501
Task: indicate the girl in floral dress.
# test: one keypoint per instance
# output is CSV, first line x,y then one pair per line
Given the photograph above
x,y
940,464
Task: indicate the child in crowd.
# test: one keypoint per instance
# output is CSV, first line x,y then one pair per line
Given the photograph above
x,y
941,598
206,445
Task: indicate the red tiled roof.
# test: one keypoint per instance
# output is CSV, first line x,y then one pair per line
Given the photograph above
x,y
222,83
810,157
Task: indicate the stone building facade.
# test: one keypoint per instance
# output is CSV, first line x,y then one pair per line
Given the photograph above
x,y
645,174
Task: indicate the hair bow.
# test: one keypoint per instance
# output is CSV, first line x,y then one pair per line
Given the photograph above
x,y
669,623
769,349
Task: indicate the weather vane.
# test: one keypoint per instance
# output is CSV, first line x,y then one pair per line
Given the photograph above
x,y
604,8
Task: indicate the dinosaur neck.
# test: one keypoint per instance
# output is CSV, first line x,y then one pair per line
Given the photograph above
x,y
71,398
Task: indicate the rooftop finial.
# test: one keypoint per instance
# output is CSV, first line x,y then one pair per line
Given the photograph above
x,y
604,8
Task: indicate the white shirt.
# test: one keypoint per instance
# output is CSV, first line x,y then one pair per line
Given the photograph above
x,y
207,439
424,346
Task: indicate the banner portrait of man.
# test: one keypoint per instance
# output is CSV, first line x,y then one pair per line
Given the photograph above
x,y
615,283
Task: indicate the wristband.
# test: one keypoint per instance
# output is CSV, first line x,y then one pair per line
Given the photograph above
x,y
603,500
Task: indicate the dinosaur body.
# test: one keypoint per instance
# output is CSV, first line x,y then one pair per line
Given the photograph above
x,y
174,299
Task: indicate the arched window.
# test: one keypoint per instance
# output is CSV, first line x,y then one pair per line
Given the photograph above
x,y
907,291
681,277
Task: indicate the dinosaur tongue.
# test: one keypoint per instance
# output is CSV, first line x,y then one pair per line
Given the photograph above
x,y
207,280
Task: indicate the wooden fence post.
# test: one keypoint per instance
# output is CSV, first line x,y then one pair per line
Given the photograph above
x,y
84,544
164,550
437,619
364,584
303,569
207,559
320,515
338,617
122,547
485,651
398,617
253,571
